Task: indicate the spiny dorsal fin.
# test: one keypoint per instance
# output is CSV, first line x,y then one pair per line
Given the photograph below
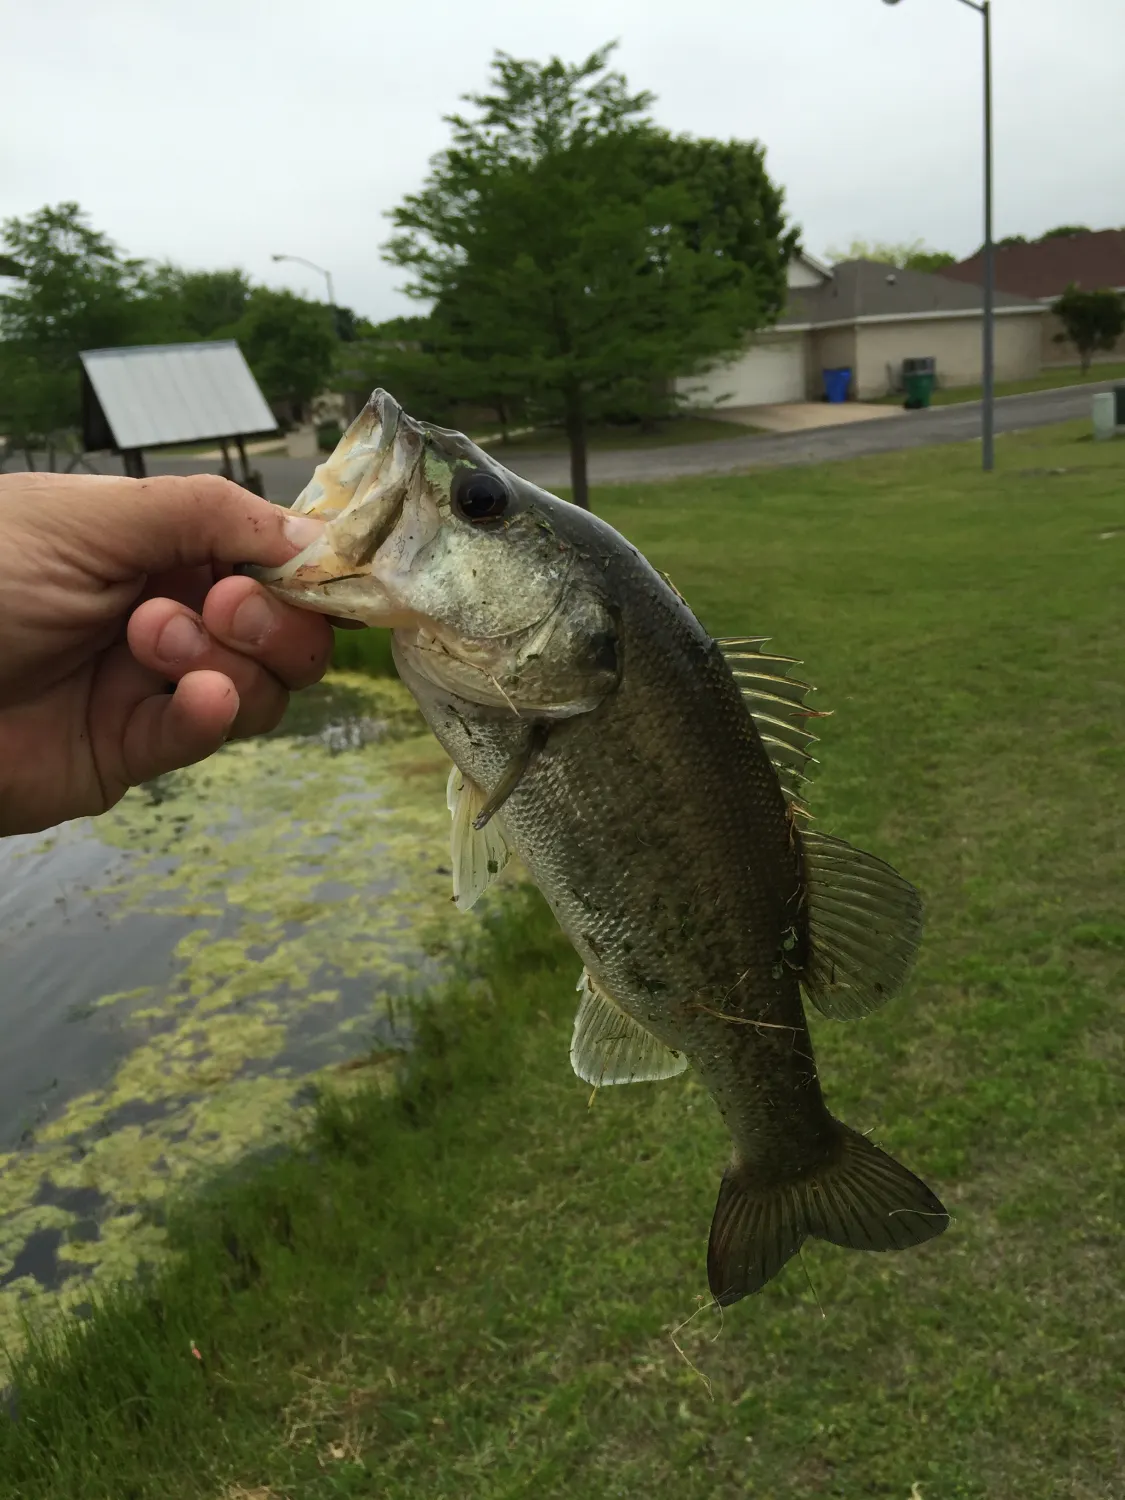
x,y
865,924
610,1047
477,855
776,703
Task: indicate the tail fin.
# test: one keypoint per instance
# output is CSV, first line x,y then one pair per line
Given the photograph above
x,y
859,1197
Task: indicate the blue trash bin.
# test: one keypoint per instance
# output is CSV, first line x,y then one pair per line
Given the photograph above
x,y
836,384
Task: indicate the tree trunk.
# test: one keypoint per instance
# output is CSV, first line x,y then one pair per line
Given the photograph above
x,y
576,435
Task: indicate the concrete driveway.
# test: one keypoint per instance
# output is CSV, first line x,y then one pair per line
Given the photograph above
x,y
286,477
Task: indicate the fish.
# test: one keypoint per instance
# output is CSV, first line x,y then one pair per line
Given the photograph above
x,y
650,778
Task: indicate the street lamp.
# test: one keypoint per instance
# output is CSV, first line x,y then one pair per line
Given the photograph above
x,y
301,261
983,8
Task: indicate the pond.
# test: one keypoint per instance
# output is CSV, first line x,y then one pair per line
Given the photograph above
x,y
175,974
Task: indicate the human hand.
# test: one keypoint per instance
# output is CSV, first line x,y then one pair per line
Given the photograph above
x,y
112,589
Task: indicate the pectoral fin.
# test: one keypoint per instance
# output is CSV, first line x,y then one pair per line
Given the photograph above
x,y
865,924
610,1047
478,854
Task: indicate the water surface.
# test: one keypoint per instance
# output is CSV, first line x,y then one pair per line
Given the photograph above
x,y
173,974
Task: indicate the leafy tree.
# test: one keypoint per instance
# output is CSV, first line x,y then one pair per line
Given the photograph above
x,y
734,209
911,256
182,306
1064,231
407,356
567,264
36,400
1092,320
289,344
76,292
348,324
933,261
1012,239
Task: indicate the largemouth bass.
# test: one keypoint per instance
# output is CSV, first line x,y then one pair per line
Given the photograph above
x,y
649,778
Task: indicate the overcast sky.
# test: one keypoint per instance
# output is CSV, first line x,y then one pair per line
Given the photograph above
x,y
213,132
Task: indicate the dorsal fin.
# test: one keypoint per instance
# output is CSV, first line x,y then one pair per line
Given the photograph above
x,y
776,703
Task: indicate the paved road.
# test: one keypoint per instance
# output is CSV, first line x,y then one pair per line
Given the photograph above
x,y
285,478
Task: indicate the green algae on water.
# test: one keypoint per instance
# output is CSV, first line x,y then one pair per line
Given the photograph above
x,y
313,869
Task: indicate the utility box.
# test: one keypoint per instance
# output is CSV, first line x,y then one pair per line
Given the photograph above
x,y
1105,414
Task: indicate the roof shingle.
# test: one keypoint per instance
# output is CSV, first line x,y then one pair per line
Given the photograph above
x,y
870,289
1045,269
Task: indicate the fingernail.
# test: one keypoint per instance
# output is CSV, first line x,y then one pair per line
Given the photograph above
x,y
301,530
253,620
181,640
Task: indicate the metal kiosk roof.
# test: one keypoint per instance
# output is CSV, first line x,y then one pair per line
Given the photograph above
x,y
154,395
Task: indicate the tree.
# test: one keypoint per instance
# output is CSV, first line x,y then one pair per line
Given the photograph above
x,y
76,292
289,344
912,256
410,356
1092,320
1064,231
35,399
184,306
566,262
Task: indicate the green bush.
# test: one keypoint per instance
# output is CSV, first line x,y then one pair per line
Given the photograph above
x,y
328,434
366,651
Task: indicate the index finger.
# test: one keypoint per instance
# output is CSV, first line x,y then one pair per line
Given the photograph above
x,y
119,528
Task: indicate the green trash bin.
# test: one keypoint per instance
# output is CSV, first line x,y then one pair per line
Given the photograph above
x,y
919,389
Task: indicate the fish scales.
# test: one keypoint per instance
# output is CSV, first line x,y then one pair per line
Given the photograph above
x,y
689,944
597,731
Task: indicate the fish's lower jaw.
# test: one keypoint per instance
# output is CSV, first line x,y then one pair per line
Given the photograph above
x,y
858,1197
319,579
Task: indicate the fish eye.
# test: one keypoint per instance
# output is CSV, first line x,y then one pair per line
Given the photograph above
x,y
479,496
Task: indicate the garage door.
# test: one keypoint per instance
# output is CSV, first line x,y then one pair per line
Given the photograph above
x,y
768,373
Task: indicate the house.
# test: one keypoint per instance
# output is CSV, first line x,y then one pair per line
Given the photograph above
x,y
1045,268
869,317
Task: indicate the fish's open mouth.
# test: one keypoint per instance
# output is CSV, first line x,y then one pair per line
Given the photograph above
x,y
360,490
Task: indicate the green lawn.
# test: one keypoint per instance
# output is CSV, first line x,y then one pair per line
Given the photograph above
x,y
620,435
480,1285
1048,380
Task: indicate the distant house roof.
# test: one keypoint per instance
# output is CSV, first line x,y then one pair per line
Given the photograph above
x,y
1047,268
155,394
863,289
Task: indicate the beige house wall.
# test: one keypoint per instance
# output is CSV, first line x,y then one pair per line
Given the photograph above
x,y
954,342
829,349
772,369
1064,352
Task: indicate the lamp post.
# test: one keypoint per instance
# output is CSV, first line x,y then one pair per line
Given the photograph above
x,y
983,9
312,265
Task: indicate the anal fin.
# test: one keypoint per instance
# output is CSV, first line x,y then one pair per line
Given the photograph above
x,y
608,1046
477,854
